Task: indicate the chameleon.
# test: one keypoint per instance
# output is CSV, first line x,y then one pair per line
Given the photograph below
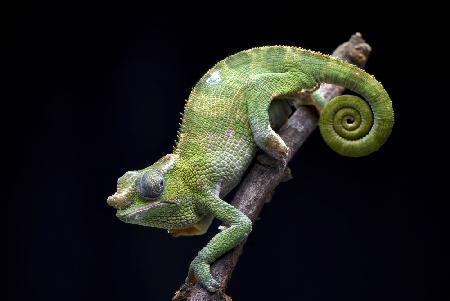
x,y
231,113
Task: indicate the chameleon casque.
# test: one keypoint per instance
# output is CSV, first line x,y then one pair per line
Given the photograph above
x,y
228,116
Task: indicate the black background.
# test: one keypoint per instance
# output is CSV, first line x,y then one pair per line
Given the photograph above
x,y
97,90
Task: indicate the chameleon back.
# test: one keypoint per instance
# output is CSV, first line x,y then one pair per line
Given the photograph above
x,y
215,132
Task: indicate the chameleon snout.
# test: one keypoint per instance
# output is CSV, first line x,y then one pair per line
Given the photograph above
x,y
119,200
111,201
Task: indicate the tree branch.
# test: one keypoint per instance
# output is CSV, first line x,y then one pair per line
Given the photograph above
x,y
258,186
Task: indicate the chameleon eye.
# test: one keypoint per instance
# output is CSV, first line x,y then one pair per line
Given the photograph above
x,y
150,185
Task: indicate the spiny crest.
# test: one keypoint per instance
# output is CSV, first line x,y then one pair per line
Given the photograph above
x,y
180,124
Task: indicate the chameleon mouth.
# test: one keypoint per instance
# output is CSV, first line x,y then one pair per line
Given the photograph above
x,y
138,213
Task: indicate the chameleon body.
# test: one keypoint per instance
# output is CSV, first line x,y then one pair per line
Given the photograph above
x,y
226,120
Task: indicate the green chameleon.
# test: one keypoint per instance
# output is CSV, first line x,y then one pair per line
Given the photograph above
x,y
228,116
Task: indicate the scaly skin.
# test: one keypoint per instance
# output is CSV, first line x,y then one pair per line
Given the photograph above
x,y
226,120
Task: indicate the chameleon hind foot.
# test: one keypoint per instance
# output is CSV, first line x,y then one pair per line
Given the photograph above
x,y
270,161
272,144
262,91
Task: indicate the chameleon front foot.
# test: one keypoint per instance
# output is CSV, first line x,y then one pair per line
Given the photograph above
x,y
199,271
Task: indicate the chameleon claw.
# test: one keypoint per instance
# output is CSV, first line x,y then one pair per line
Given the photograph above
x,y
282,158
199,272
270,161
213,286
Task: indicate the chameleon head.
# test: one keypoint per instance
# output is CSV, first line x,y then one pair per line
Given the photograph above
x,y
143,196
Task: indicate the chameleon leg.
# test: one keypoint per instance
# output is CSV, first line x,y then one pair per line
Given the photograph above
x,y
260,94
239,227
315,99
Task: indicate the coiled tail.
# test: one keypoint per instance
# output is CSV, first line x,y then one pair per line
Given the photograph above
x,y
350,125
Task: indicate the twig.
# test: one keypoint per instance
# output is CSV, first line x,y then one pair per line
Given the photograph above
x,y
258,186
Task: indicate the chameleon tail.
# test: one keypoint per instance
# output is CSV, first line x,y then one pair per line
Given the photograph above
x,y
349,125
